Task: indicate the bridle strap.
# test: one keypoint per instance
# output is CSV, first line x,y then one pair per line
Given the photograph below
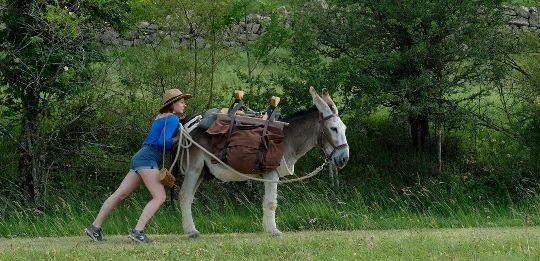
x,y
324,136
327,117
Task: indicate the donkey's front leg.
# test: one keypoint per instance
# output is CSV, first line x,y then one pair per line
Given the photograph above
x,y
270,204
187,193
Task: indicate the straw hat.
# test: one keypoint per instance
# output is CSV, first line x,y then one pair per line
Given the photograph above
x,y
172,95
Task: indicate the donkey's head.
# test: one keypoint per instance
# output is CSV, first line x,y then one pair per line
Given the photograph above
x,y
332,134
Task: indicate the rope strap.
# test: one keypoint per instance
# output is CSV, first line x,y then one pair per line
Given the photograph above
x,y
185,141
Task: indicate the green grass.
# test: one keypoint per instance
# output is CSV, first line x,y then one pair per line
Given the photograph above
x,y
416,244
525,2
300,208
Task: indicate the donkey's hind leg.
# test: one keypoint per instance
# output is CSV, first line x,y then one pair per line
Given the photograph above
x,y
187,192
270,204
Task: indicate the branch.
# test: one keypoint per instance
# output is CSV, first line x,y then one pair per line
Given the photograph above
x,y
484,121
519,68
7,133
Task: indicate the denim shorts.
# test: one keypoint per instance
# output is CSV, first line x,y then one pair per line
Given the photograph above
x,y
148,157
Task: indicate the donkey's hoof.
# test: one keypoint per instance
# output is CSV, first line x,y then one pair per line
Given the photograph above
x,y
276,233
194,234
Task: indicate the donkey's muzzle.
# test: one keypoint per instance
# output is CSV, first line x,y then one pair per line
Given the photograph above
x,y
341,158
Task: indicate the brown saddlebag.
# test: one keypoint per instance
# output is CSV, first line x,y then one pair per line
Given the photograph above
x,y
247,151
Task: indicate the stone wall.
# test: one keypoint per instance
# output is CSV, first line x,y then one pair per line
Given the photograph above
x,y
524,18
248,29
146,33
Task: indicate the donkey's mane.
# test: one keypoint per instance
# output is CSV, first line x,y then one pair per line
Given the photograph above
x,y
300,114
187,118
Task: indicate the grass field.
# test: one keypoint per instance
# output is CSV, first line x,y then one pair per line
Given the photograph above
x,y
517,243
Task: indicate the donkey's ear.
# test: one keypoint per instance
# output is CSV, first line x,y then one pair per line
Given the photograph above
x,y
329,101
321,105
313,92
325,92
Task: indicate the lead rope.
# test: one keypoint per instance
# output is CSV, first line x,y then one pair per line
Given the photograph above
x,y
164,144
183,145
185,141
164,136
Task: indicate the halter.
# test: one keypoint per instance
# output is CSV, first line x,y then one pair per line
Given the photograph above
x,y
324,136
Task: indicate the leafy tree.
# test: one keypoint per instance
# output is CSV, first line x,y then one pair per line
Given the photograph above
x,y
520,97
416,55
261,53
205,22
422,59
47,47
195,63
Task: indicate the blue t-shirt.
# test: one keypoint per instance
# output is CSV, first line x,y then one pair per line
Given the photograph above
x,y
155,136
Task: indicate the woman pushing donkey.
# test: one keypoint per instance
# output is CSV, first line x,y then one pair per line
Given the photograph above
x,y
144,167
317,127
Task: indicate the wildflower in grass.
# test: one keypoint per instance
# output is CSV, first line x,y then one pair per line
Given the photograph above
x,y
406,191
537,101
371,244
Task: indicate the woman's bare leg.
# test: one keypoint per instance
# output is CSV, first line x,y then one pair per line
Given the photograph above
x,y
150,178
131,182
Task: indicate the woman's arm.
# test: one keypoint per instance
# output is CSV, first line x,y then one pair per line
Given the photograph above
x,y
171,130
176,137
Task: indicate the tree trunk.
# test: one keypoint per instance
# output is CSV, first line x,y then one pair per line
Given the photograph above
x,y
439,150
419,127
30,170
196,68
249,69
213,65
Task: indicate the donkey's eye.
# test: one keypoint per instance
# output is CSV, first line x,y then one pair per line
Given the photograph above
x,y
334,129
